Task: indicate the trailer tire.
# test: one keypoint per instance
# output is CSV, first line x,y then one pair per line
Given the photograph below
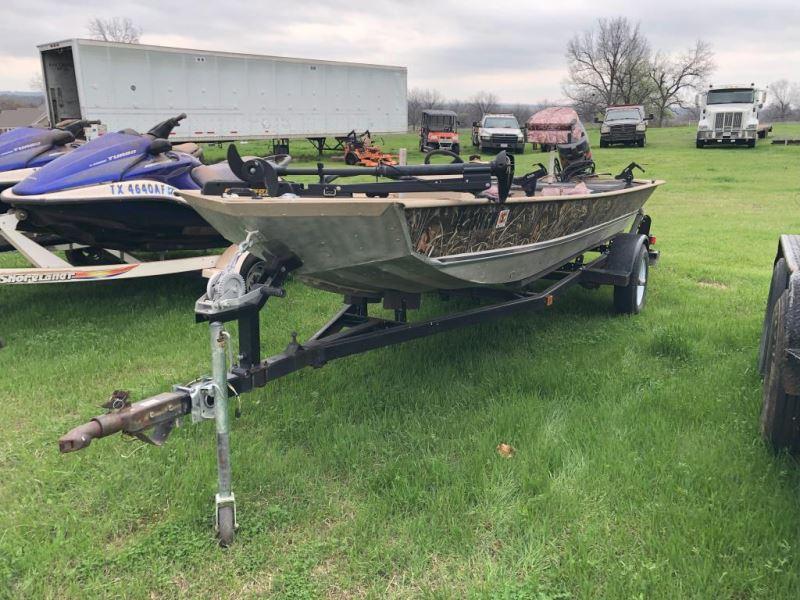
x,y
778,284
780,412
630,299
351,158
225,522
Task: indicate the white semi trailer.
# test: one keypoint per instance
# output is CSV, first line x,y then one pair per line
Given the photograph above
x,y
730,115
226,96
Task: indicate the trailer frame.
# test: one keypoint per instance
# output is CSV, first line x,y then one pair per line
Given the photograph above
x,y
350,331
49,267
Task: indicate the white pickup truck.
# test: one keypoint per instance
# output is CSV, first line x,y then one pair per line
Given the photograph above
x,y
498,132
730,115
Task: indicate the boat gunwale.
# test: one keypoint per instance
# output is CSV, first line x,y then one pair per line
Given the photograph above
x,y
405,201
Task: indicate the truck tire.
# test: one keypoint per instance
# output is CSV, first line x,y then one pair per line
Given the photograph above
x,y
751,143
642,142
780,412
630,299
456,149
603,144
778,284
700,143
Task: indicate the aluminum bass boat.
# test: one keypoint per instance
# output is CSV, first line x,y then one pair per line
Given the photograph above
x,y
366,239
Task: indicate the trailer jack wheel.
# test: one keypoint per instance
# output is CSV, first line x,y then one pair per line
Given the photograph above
x,y
226,523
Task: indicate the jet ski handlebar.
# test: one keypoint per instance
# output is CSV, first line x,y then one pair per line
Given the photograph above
x,y
163,129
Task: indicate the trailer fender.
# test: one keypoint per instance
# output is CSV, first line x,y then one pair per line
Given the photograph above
x,y
623,250
791,376
789,249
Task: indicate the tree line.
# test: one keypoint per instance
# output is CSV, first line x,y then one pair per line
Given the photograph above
x,y
614,63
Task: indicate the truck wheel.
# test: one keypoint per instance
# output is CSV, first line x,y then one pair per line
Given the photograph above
x,y
456,149
603,144
480,148
780,412
700,143
642,142
629,299
778,284
751,143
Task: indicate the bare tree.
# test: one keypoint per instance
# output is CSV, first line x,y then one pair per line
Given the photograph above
x,y
114,29
784,96
672,76
419,99
608,65
482,103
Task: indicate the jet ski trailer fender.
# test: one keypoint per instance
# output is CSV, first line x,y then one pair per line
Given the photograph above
x,y
622,262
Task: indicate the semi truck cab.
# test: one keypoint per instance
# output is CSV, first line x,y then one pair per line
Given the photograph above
x,y
730,115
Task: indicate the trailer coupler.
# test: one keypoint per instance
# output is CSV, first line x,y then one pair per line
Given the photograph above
x,y
159,414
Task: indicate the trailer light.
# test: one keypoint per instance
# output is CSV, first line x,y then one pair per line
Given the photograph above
x,y
652,240
549,300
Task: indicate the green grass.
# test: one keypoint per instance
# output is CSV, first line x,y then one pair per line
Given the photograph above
x,y
638,473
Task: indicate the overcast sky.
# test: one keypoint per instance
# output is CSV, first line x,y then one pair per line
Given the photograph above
x,y
514,49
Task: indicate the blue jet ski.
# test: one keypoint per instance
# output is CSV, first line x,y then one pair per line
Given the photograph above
x,y
119,192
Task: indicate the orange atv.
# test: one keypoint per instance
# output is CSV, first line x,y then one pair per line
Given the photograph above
x,y
360,150
439,131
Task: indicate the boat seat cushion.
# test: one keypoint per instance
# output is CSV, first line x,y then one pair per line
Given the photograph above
x,y
218,172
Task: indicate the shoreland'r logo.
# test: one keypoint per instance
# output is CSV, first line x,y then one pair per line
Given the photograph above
x,y
37,277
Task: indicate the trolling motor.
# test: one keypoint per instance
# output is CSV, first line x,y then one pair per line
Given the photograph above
x,y
261,174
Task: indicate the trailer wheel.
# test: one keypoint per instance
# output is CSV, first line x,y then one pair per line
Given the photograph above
x,y
629,299
351,158
226,526
778,284
780,412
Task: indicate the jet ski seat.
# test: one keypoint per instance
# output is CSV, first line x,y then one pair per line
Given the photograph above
x,y
189,148
220,171
59,137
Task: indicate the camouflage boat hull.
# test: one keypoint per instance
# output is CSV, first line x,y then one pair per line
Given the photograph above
x,y
418,243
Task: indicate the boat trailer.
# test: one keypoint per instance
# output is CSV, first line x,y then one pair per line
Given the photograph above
x,y
350,331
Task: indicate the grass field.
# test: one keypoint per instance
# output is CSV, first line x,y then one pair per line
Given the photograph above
x,y
639,471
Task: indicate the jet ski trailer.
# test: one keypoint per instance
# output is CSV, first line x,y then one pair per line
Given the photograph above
x,y
507,274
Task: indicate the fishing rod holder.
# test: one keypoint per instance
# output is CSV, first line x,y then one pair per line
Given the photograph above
x,y
266,178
